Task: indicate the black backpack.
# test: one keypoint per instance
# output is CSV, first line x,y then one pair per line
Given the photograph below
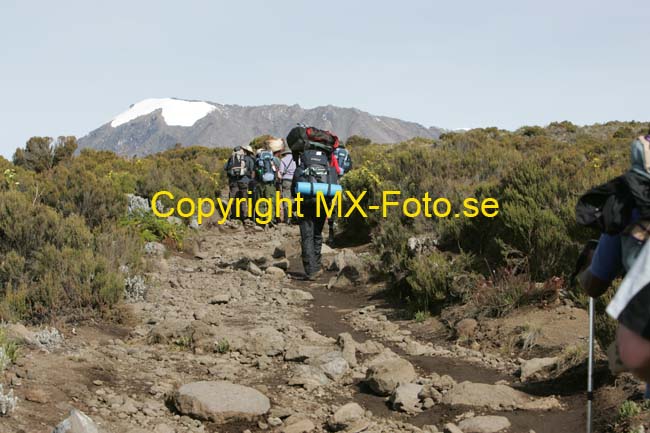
x,y
607,207
313,166
302,138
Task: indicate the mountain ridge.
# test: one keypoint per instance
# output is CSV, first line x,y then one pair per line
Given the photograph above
x,y
154,125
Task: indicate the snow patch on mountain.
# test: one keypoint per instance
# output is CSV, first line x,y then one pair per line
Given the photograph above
x,y
176,112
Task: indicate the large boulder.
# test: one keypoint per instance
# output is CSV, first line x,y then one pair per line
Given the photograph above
x,y
495,397
220,401
77,422
484,424
383,378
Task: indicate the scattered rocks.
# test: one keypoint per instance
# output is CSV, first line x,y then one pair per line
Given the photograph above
x,y
77,422
220,401
383,378
484,424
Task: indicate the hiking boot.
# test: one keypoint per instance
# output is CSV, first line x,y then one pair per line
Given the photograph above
x,y
314,276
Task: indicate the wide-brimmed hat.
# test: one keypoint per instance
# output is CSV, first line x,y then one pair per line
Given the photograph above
x,y
247,148
274,144
286,151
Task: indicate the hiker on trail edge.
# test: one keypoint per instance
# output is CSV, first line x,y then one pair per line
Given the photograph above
x,y
345,164
267,165
287,168
621,209
316,166
240,169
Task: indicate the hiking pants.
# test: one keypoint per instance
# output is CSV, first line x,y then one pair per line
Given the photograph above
x,y
239,188
286,193
266,190
311,237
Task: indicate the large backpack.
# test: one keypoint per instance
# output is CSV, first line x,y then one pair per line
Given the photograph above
x,y
344,159
237,163
266,168
314,167
302,138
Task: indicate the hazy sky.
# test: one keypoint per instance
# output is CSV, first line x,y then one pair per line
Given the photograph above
x,y
67,67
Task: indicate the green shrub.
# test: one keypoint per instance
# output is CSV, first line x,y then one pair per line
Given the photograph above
x,y
155,229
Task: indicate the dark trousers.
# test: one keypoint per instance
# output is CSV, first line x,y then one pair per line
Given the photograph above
x,y
239,188
311,236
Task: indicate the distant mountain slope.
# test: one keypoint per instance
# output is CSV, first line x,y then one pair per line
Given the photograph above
x,y
154,125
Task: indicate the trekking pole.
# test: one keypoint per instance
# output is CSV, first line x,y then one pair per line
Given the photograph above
x,y
590,374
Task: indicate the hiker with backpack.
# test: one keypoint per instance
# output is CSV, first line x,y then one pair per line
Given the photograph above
x,y
287,168
620,209
344,161
316,170
267,165
240,170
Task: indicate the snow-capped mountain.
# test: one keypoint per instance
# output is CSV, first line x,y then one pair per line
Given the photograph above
x,y
153,125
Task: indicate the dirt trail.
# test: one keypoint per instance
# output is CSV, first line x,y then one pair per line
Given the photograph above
x,y
216,316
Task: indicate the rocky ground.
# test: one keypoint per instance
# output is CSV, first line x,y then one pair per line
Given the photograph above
x,y
225,340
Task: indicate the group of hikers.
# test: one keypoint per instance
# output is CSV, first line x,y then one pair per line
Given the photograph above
x,y
308,158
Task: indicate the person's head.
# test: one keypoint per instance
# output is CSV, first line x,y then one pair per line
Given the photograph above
x,y
248,149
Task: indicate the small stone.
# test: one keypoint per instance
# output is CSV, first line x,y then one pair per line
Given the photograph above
x,y
484,424
466,328
274,421
452,428
98,383
302,426
36,395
